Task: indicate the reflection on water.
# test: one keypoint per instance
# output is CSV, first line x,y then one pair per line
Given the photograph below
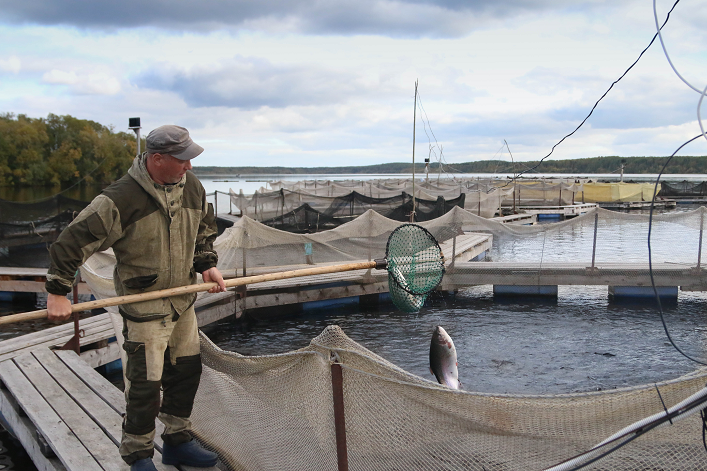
x,y
579,343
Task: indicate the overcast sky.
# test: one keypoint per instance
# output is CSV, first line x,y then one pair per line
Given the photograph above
x,y
331,82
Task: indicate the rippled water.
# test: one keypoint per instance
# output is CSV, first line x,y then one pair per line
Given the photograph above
x,y
581,342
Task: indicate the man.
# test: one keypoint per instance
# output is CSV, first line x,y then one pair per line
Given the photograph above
x,y
161,229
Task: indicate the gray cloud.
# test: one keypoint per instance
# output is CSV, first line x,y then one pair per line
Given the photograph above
x,y
446,18
251,83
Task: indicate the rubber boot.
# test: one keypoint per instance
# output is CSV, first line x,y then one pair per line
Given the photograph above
x,y
189,454
144,464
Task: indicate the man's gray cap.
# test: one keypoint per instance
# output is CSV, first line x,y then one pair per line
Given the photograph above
x,y
172,140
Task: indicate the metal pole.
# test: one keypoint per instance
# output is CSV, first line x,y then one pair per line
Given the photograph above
x,y
76,344
414,119
215,202
137,131
594,247
699,250
337,385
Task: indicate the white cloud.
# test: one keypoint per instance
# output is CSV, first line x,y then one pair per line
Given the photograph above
x,y
84,84
273,98
12,64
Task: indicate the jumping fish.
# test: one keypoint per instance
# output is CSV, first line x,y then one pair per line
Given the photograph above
x,y
443,359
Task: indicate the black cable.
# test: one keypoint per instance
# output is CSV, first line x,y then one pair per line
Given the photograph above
x,y
650,258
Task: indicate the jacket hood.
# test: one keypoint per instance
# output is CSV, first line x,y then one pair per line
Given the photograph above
x,y
139,172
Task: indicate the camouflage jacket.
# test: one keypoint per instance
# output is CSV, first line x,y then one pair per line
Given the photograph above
x,y
161,236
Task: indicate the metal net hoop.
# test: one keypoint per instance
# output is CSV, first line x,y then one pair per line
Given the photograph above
x,y
415,266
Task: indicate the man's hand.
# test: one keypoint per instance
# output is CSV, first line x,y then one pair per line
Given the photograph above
x,y
58,307
212,275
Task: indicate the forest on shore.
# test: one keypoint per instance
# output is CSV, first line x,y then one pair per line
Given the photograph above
x,y
63,150
577,167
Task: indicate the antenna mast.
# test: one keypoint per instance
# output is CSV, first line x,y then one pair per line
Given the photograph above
x,y
414,119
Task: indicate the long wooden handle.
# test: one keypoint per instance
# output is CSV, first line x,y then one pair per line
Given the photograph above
x,y
164,293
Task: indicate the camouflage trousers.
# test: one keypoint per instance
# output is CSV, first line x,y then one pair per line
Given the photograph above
x,y
162,354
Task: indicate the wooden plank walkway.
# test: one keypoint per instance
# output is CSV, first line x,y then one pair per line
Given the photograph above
x,y
96,328
29,280
688,278
67,416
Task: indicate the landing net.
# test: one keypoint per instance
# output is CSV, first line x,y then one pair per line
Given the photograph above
x,y
415,266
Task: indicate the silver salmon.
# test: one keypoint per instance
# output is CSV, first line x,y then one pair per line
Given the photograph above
x,y
443,359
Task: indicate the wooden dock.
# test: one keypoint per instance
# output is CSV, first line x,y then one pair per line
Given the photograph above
x,y
688,278
29,280
567,211
67,416
96,330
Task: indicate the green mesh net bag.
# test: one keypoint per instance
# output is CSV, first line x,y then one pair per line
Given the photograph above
x,y
415,266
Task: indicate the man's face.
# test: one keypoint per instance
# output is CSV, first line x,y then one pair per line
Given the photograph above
x,y
171,169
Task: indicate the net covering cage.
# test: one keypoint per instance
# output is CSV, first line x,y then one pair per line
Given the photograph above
x,y
35,222
683,189
613,240
275,412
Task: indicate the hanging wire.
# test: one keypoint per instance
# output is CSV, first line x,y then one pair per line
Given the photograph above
x,y
657,181
650,257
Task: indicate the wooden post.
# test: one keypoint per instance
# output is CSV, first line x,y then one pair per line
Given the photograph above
x,y
454,249
244,264
594,246
74,343
215,203
337,385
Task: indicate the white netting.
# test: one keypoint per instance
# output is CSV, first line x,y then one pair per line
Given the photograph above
x,y
275,412
621,238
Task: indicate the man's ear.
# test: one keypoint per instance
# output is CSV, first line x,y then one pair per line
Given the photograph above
x,y
157,159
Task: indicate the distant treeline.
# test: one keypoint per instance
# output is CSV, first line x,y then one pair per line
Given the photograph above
x,y
640,165
61,150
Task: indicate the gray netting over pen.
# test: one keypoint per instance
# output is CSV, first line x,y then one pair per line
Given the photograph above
x,y
621,243
35,222
303,220
275,412
269,206
683,188
18,212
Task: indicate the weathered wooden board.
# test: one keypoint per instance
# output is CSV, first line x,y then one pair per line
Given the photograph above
x,y
23,429
92,405
95,330
68,448
577,273
91,436
111,396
